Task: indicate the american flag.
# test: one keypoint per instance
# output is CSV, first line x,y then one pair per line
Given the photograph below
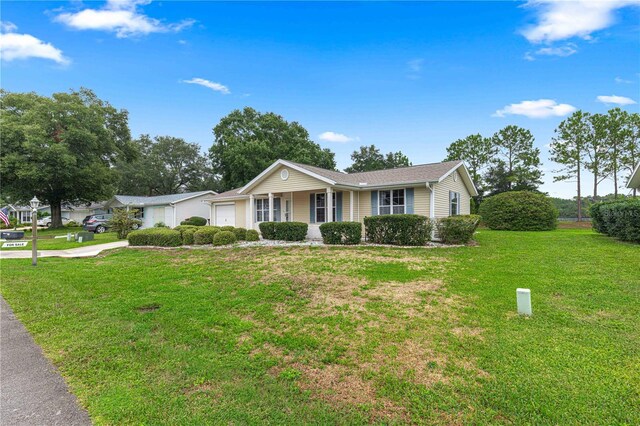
x,y
4,215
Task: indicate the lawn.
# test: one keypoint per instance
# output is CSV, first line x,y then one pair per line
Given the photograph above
x,y
303,335
46,240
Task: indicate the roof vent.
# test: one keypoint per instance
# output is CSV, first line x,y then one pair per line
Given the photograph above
x,y
363,184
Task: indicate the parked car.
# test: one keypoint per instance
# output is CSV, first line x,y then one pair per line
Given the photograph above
x,y
46,221
97,223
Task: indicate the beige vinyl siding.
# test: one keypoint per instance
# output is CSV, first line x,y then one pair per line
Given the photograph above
x,y
241,213
421,200
442,196
364,197
296,182
346,201
301,206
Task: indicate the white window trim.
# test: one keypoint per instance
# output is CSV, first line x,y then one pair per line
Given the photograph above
x,y
391,206
262,202
315,206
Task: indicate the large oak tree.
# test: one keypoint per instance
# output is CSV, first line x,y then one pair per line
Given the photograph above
x,y
61,148
369,158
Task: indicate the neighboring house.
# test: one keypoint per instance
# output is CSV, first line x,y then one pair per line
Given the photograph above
x,y
634,180
23,213
288,191
169,209
68,211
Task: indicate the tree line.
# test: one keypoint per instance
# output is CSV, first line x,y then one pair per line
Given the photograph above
x,y
75,148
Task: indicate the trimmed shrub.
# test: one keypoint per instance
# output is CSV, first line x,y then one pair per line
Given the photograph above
x,y
519,211
223,238
160,225
619,219
228,228
252,235
284,231
72,224
205,234
341,232
241,233
398,229
457,229
195,221
155,237
187,236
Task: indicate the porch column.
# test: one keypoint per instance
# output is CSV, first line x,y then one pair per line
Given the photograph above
x,y
291,208
271,207
251,210
329,205
351,206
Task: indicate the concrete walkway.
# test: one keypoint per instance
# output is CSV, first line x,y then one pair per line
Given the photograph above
x,y
74,252
32,391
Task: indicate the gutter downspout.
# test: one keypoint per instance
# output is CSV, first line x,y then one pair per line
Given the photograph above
x,y
210,208
174,214
432,208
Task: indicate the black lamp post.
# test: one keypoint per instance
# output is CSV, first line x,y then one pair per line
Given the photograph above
x,y
34,230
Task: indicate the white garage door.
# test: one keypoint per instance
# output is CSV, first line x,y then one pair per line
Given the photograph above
x,y
226,215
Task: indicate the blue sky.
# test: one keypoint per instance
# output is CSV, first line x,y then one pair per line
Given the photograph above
x,y
403,76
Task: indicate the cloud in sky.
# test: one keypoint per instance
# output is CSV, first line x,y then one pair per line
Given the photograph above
x,y
415,68
617,100
621,80
562,51
541,108
15,46
561,20
336,137
121,17
209,84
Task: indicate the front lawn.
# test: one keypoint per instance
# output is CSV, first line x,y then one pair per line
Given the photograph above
x,y
46,240
314,335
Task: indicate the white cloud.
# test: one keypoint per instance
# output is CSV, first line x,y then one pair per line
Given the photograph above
x,y
415,68
336,137
542,108
618,100
24,46
562,20
566,50
121,17
209,84
621,80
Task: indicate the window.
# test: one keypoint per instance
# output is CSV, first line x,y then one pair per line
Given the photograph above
x,y
454,203
139,214
391,202
262,210
321,207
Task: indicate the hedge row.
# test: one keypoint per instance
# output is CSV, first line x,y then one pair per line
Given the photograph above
x,y
619,219
159,237
457,229
341,232
284,231
195,221
519,211
398,229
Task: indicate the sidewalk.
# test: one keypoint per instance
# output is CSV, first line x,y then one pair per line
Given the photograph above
x,y
33,392
75,252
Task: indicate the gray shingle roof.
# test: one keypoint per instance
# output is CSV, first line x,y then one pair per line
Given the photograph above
x,y
135,200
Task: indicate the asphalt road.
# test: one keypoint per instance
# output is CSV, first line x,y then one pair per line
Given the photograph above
x,y
32,392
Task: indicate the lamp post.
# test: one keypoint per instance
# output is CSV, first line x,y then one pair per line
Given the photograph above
x,y
34,230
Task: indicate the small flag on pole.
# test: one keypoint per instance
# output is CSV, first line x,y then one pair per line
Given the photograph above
x,y
4,216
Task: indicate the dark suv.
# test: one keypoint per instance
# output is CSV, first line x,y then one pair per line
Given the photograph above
x,y
96,223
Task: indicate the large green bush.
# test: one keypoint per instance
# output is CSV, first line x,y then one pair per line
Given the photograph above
x,y
223,238
252,235
341,232
241,233
519,211
155,237
619,219
195,221
284,231
457,229
205,234
187,236
398,229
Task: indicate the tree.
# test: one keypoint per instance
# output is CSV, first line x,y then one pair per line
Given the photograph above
x,y
596,160
568,149
61,149
246,142
369,158
515,167
477,152
165,165
631,153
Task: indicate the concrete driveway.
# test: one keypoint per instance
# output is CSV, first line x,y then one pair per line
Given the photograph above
x,y
75,252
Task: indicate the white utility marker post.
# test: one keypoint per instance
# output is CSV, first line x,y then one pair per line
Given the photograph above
x,y
523,296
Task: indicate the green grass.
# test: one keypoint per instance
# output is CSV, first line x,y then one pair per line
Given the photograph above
x,y
345,335
46,240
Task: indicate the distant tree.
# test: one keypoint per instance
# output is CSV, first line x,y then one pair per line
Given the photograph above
x,y
61,149
477,152
516,164
165,165
597,160
631,153
247,142
616,136
369,158
568,149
